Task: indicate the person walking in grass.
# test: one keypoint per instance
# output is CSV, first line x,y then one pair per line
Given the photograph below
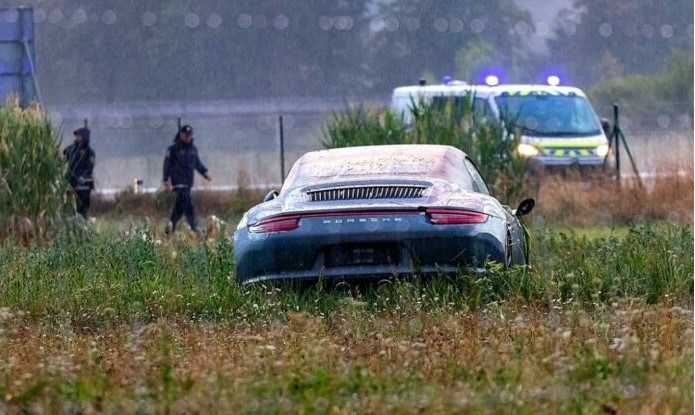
x,y
80,158
179,164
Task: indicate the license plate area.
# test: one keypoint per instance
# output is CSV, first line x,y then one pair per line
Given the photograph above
x,y
371,254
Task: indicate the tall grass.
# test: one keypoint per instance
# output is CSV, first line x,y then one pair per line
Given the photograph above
x,y
32,175
93,278
487,143
124,323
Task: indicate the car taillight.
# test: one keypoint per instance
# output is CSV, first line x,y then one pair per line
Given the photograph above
x,y
276,224
454,217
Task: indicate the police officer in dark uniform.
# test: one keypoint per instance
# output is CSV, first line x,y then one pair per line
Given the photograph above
x,y
80,159
179,163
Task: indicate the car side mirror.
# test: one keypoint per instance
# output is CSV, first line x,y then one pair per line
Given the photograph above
x,y
270,196
525,207
606,125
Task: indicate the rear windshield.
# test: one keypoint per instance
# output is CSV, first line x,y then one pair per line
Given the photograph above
x,y
365,166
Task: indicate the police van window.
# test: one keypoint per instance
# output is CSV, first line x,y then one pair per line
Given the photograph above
x,y
478,181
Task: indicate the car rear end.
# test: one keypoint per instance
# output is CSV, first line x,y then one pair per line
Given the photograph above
x,y
340,235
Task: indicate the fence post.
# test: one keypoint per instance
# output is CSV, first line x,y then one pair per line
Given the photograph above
x,y
281,136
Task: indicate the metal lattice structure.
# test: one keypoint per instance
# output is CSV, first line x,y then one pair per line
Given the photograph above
x,y
17,56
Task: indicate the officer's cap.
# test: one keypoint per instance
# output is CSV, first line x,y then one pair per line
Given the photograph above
x,y
186,129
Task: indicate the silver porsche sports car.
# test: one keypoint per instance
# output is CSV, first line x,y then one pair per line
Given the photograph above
x,y
378,212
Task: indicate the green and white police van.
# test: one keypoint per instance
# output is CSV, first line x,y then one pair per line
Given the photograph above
x,y
559,127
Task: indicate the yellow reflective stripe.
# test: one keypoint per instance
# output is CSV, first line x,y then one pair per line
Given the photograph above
x,y
569,152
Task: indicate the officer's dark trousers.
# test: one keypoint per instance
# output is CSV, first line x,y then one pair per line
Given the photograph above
x,y
183,206
83,200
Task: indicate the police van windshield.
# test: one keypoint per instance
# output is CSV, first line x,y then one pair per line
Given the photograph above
x,y
543,114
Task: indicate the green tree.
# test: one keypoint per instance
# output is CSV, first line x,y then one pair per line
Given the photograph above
x,y
596,40
667,93
409,37
474,58
144,49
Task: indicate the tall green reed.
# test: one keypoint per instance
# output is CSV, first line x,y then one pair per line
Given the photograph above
x,y
32,171
449,122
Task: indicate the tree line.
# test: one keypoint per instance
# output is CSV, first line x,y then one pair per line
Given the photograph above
x,y
125,50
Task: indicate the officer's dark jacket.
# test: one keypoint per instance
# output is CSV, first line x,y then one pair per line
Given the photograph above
x,y
80,158
180,161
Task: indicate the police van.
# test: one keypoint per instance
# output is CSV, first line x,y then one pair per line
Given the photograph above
x,y
557,123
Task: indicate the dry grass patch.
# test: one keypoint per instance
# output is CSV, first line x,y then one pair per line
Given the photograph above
x,y
599,201
629,356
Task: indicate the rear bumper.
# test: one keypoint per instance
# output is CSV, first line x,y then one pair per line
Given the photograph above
x,y
423,248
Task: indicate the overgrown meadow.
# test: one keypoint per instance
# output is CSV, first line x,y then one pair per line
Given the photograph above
x,y
112,317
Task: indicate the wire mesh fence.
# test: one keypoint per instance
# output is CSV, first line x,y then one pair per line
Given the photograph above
x,y
240,141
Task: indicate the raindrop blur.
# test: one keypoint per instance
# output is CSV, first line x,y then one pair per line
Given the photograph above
x,y
214,21
39,15
569,27
542,29
440,24
112,122
673,217
392,24
55,16
149,18
531,122
343,22
265,122
56,117
11,15
155,122
244,21
477,26
647,31
605,29
521,28
126,121
281,22
663,120
376,24
456,25
411,23
667,31
79,16
686,121
108,17
260,21
325,23
191,20
288,121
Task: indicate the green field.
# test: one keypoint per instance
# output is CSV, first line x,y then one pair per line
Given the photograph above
x,y
118,321
110,317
